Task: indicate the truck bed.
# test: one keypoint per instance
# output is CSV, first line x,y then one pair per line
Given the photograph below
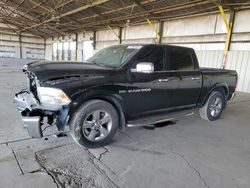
x,y
208,69
215,76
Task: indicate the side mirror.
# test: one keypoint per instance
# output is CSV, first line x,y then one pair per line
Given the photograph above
x,y
144,67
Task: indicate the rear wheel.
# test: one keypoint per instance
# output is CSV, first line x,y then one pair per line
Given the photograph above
x,y
213,107
94,124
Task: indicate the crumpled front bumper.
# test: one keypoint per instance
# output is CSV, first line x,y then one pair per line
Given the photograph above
x,y
33,113
26,102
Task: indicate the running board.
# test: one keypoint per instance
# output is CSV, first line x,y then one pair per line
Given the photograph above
x,y
151,120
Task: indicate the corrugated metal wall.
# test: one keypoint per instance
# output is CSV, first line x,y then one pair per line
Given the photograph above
x,y
209,58
236,60
31,47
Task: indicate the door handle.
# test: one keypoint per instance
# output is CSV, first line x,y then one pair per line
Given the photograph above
x,y
195,78
163,80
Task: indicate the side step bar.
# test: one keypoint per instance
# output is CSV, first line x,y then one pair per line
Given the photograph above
x,y
160,118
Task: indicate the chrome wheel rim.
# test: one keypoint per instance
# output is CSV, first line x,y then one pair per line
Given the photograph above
x,y
215,107
97,125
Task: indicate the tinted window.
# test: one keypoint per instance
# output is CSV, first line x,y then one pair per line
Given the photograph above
x,y
154,55
180,59
113,56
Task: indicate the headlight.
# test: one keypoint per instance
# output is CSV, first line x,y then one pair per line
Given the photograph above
x,y
49,95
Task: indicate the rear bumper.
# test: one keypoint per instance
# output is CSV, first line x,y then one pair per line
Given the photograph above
x,y
33,114
231,97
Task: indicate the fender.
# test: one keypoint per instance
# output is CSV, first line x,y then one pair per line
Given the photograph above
x,y
214,88
107,95
117,101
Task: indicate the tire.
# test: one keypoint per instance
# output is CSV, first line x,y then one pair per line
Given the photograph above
x,y
94,124
213,107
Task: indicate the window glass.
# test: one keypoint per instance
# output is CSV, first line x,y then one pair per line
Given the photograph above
x,y
113,56
180,59
153,55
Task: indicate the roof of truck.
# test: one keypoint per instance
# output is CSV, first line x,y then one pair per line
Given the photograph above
x,y
150,44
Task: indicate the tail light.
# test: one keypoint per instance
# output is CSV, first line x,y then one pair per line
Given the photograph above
x,y
237,81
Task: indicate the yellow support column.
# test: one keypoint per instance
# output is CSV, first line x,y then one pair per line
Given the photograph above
x,y
154,29
229,26
118,37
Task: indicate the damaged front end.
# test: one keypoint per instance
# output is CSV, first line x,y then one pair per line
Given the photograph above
x,y
38,104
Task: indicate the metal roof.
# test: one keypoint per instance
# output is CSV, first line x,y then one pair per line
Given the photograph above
x,y
60,17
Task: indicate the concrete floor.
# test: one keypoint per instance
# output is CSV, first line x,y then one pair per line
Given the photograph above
x,y
191,153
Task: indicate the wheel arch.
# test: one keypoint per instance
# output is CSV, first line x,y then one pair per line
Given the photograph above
x,y
221,87
114,99
119,105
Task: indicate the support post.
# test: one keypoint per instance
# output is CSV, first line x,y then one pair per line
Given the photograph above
x,y
44,47
76,46
154,29
94,40
229,25
117,35
161,25
20,45
229,32
120,35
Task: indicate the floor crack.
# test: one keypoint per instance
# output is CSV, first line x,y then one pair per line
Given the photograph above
x,y
13,152
17,162
92,159
54,178
103,153
191,166
123,133
36,171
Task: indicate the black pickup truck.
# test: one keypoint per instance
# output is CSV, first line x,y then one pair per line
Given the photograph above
x,y
120,86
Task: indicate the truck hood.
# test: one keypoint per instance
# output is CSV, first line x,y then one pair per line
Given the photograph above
x,y
45,71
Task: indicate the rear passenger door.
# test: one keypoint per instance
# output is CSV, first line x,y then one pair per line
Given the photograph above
x,y
181,62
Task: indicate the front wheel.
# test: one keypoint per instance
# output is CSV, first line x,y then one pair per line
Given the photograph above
x,y
213,107
94,124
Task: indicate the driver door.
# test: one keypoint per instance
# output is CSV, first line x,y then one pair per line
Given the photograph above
x,y
149,93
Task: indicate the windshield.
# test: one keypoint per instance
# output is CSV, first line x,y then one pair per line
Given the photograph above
x,y
113,56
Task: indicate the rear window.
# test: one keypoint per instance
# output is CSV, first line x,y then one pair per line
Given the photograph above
x,y
180,59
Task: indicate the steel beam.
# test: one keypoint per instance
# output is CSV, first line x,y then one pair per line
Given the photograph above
x,y
76,46
123,9
120,35
154,29
94,40
229,33
146,13
34,7
52,11
224,17
117,35
20,45
98,2
229,25
161,25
